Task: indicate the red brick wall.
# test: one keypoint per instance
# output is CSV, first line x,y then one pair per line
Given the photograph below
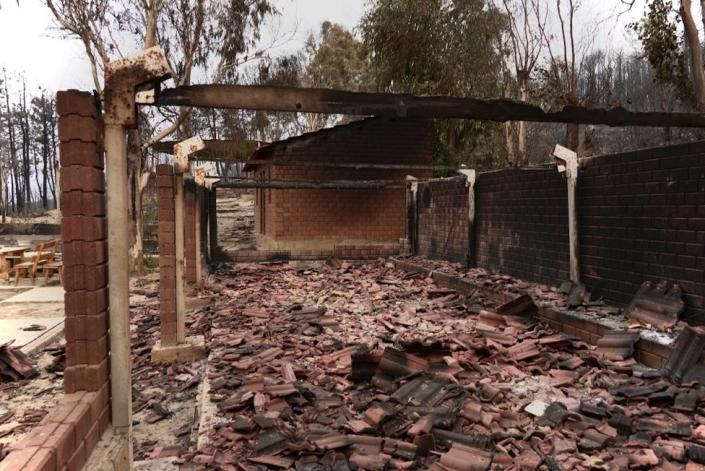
x,y
329,215
167,254
521,224
642,217
443,219
66,436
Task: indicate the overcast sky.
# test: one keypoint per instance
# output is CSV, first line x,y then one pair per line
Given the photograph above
x,y
30,44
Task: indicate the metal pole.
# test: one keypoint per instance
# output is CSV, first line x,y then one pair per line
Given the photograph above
x,y
179,249
119,277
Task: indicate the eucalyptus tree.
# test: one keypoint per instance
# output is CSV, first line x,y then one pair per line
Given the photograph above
x,y
204,40
441,47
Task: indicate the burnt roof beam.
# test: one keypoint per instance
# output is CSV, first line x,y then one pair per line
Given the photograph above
x,y
314,100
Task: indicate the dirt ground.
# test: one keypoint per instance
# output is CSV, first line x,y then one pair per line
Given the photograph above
x,y
49,217
164,397
8,291
236,220
28,401
24,403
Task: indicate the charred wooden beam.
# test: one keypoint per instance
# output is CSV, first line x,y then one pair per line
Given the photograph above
x,y
349,165
314,185
215,150
313,100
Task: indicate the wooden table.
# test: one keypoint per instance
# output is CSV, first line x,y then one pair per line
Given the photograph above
x,y
5,253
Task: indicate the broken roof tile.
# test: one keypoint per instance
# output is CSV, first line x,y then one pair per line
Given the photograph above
x,y
420,391
617,344
520,306
464,458
659,306
685,353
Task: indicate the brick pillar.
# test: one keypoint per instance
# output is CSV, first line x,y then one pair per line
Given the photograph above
x,y
83,231
203,194
213,222
200,235
167,254
66,436
190,228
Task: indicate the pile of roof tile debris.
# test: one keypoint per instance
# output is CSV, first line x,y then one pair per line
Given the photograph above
x,y
14,365
157,389
316,367
655,307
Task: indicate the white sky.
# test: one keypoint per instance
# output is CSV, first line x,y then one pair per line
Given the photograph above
x,y
29,44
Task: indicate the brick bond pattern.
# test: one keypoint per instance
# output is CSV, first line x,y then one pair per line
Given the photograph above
x,y
67,435
641,217
522,224
167,254
377,215
443,219
347,252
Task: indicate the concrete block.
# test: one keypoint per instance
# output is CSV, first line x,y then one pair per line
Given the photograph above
x,y
194,348
112,453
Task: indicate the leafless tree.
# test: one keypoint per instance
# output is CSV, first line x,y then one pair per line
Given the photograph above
x,y
526,21
566,51
194,33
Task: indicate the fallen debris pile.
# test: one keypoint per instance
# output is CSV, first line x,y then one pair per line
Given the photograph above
x,y
660,305
163,397
14,365
655,308
316,367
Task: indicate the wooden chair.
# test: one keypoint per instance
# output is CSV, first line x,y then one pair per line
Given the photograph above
x,y
33,260
49,268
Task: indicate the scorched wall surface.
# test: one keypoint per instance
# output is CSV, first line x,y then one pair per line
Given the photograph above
x,y
642,217
522,224
443,219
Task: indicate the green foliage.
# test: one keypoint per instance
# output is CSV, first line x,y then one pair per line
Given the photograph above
x,y
440,47
658,33
336,60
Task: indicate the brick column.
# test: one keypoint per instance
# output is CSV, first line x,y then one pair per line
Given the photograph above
x,y
190,228
200,236
66,436
213,221
203,194
167,254
83,231
174,345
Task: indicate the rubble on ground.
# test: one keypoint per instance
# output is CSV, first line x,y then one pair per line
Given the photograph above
x,y
660,323
236,219
14,365
164,398
340,366
25,402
